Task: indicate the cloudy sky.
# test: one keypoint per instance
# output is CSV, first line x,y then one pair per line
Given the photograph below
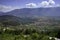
x,y
7,5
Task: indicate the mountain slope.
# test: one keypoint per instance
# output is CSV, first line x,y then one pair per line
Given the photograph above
x,y
35,12
7,20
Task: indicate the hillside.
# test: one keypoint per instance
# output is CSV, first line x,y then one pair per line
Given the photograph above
x,y
13,20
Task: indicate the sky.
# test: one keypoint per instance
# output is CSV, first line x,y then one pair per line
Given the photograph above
x,y
8,5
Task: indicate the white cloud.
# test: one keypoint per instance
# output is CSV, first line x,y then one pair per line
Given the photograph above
x,y
49,3
4,8
44,3
31,5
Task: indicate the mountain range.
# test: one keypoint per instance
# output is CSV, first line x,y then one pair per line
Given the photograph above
x,y
34,12
30,15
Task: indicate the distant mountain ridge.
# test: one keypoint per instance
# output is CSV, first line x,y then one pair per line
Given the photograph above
x,y
34,12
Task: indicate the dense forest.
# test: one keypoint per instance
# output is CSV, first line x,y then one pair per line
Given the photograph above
x,y
15,28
